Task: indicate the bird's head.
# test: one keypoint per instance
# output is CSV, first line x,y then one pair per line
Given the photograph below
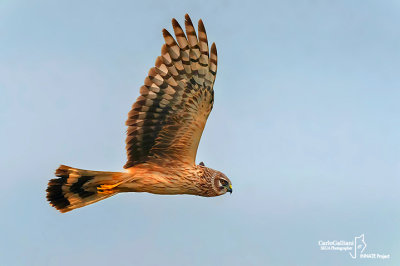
x,y
222,184
219,183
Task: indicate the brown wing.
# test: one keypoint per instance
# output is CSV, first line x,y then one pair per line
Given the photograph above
x,y
168,118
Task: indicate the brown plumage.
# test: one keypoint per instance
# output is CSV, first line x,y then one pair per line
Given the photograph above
x,y
164,129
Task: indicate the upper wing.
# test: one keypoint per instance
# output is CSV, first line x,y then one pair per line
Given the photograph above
x,y
168,118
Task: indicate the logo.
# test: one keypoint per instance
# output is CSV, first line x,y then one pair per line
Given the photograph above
x,y
356,248
359,244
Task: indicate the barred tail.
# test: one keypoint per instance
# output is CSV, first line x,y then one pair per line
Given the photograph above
x,y
76,188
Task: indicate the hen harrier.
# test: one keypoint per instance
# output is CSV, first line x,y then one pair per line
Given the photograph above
x,y
164,130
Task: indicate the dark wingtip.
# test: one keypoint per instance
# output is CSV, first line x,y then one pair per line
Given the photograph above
x,y
214,48
201,26
188,20
165,33
175,23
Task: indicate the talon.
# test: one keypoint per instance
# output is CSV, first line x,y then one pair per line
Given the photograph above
x,y
106,187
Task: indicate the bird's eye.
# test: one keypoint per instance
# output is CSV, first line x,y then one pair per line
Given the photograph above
x,y
224,182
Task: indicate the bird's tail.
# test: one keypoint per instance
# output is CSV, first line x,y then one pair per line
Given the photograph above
x,y
76,188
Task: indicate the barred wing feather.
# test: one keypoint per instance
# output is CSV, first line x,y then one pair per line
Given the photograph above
x,y
168,118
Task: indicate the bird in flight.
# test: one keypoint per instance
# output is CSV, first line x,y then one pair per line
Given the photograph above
x,y
164,130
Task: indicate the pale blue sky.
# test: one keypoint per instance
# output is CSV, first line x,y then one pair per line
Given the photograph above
x,y
305,123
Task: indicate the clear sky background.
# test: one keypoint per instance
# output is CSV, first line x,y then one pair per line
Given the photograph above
x,y
306,124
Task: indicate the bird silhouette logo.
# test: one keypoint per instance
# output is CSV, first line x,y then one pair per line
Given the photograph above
x,y
359,246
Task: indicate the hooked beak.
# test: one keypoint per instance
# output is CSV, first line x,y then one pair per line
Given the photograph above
x,y
229,189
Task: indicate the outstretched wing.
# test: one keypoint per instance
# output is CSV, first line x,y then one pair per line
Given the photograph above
x,y
168,118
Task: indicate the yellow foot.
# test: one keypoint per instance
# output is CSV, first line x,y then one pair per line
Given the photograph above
x,y
106,189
